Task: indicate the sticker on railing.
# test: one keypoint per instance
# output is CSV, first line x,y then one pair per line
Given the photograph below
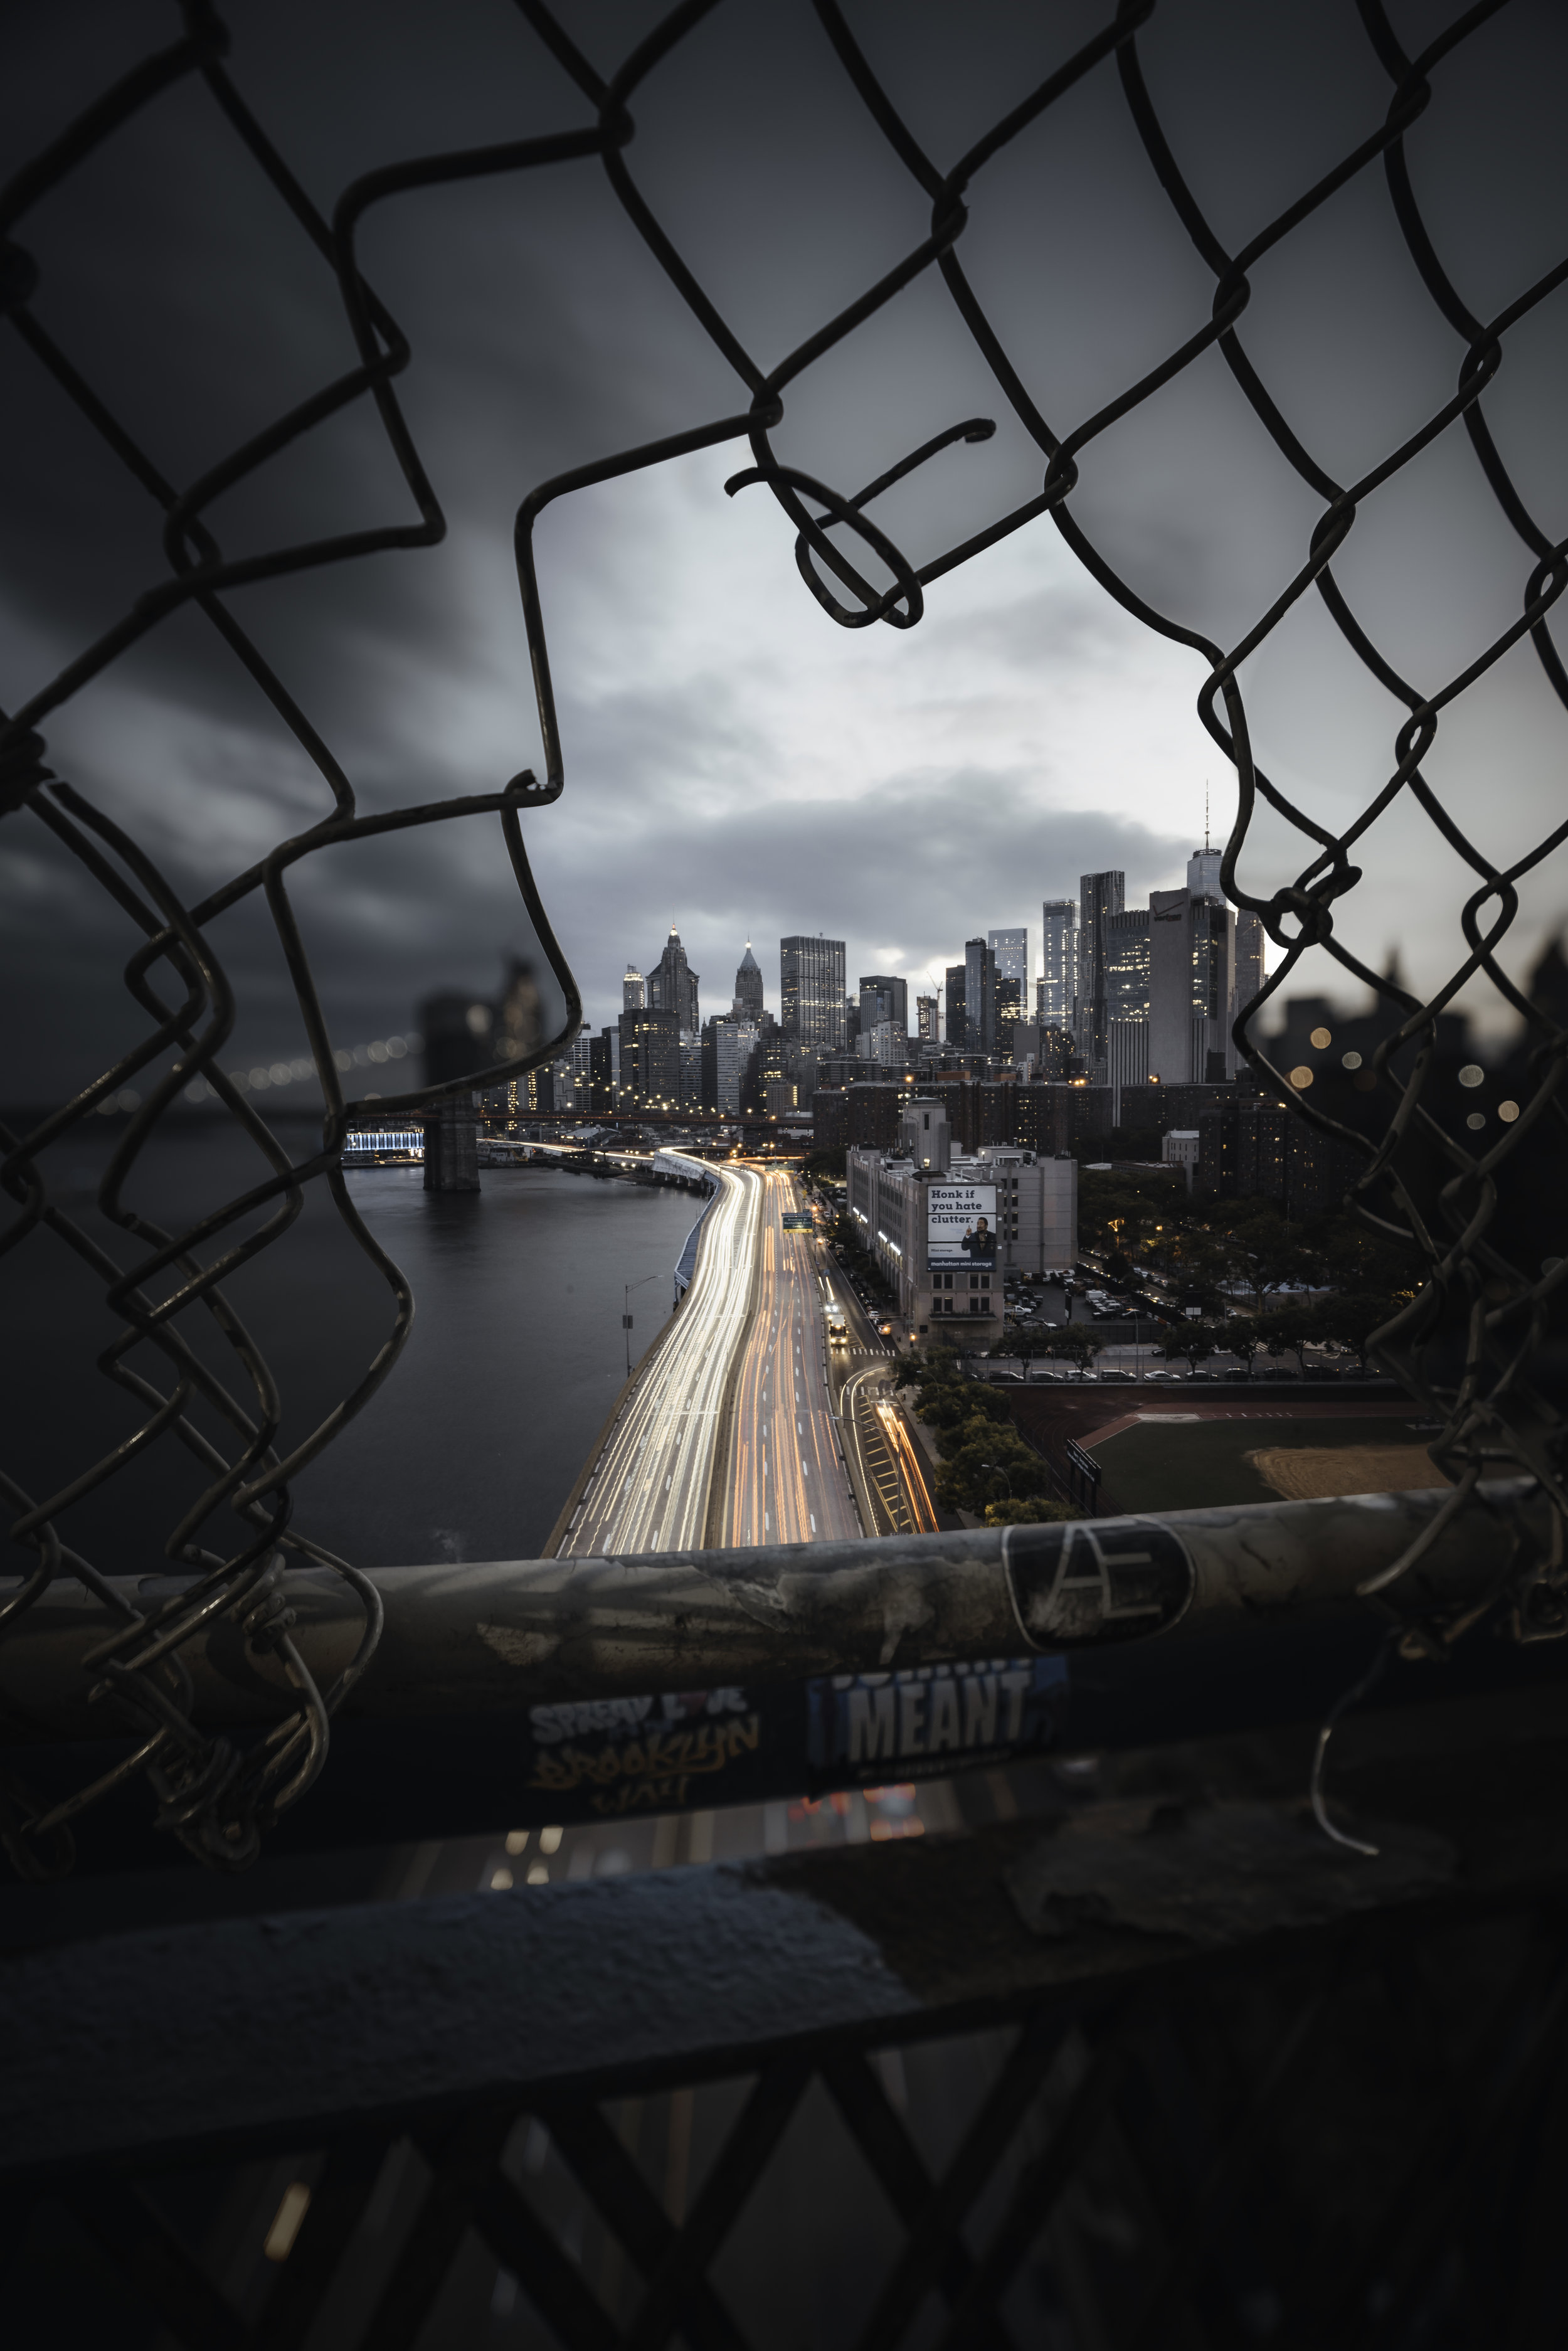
x,y
933,1717
1077,1584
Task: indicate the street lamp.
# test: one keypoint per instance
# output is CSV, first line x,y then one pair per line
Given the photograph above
x,y
626,1290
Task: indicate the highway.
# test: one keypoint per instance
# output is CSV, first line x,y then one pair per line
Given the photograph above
x,y
786,1480
650,1490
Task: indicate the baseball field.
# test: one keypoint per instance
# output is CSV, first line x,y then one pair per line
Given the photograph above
x,y
1170,1462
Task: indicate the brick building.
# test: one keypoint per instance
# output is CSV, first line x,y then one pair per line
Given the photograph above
x,y
1257,1148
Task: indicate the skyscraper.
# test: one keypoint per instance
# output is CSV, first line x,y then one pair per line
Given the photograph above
x,y
747,1004
1126,939
650,1060
604,1074
812,992
673,987
957,1011
735,1041
980,997
1100,894
925,1009
1127,966
572,1074
1056,997
1250,972
633,990
882,998
1192,984
1011,949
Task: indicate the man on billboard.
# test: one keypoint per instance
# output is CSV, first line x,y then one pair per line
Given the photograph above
x,y
961,1225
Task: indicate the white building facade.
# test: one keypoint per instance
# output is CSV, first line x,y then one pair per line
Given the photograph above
x,y
900,1201
886,1043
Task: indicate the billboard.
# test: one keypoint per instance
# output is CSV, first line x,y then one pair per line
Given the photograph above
x,y
961,1225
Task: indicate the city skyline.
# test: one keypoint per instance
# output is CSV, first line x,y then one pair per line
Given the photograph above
x,y
921,976
1028,956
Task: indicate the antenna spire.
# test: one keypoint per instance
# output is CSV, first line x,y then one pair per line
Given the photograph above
x,y
1206,840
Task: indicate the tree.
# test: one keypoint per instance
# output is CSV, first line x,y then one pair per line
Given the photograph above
x,y
1032,1510
968,1424
1261,1251
1131,1220
985,1463
1364,1264
1350,1318
1198,1267
1075,1342
1135,1204
949,1402
1193,1340
1241,1336
1035,1340
1284,1330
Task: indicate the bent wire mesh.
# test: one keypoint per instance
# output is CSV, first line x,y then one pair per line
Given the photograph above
x,y
1464,1346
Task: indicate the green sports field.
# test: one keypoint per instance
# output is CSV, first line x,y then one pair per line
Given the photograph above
x,y
1176,1465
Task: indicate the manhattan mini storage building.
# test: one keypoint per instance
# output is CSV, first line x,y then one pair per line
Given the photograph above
x,y
947,1231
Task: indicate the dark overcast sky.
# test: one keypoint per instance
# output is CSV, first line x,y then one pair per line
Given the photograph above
x,y
736,764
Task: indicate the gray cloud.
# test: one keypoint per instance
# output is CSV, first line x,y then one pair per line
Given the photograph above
x,y
544,335
962,844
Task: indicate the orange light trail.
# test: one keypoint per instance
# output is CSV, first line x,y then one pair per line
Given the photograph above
x,y
787,1482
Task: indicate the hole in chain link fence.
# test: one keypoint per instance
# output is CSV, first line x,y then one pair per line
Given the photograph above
x,y
1209,398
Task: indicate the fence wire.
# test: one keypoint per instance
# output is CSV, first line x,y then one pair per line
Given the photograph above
x,y
1465,1344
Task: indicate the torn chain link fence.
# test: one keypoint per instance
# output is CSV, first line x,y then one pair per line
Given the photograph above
x,y
1466,1343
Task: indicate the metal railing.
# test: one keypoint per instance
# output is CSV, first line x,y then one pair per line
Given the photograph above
x,y
1054,2079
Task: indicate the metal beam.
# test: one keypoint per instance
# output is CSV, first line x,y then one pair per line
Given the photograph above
x,y
516,1632
242,2036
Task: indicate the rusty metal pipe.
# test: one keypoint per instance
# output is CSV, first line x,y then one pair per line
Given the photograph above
x,y
508,1634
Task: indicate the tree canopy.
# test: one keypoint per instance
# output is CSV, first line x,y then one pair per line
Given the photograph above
x,y
986,1466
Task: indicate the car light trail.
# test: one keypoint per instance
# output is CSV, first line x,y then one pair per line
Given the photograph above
x,y
650,1490
787,1481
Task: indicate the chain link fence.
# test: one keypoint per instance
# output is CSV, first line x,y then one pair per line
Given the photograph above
x,y
1464,1346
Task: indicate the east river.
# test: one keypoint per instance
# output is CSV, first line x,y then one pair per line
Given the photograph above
x,y
473,1444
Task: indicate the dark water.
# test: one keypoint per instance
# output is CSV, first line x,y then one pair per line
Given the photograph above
x,y
472,1446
